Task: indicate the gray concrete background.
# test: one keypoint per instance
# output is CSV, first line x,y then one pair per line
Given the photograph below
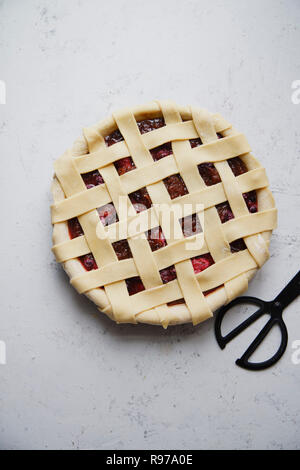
x,y
74,379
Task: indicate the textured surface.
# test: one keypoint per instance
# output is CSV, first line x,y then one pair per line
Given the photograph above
x,y
74,379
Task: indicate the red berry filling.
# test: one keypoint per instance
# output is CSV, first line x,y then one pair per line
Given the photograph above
x,y
251,201
224,211
196,142
176,302
122,249
209,173
124,164
140,200
202,262
75,229
91,179
148,125
156,238
237,166
168,274
190,225
113,138
134,285
162,151
88,262
108,214
237,245
175,186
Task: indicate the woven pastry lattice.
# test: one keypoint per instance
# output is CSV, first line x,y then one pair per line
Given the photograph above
x,y
230,271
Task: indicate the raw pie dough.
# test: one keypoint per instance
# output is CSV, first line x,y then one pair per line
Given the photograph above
x,y
229,275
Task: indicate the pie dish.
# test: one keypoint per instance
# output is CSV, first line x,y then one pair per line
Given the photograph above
x,y
161,158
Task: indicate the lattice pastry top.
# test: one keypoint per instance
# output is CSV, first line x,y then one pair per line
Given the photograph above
x,y
161,214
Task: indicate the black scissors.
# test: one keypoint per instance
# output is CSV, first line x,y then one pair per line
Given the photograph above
x,y
274,308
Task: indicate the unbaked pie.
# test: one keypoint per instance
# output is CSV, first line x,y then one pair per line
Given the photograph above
x,y
198,218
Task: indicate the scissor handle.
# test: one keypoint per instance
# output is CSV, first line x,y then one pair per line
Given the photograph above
x,y
244,360
223,340
274,309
